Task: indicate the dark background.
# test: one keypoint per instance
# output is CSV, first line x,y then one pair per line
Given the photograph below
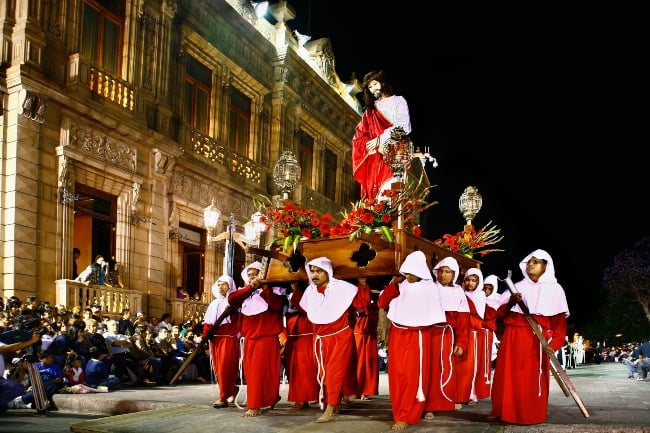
x,y
543,107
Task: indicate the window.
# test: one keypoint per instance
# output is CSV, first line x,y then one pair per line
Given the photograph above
x,y
306,156
240,121
197,82
329,180
102,33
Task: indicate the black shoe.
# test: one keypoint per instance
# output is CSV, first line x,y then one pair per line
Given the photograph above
x,y
52,407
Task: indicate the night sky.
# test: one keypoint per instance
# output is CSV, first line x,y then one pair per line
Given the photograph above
x,y
543,107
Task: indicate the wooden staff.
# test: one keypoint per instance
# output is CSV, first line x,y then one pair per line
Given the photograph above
x,y
201,346
556,368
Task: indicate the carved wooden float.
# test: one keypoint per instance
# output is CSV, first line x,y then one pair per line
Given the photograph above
x,y
367,256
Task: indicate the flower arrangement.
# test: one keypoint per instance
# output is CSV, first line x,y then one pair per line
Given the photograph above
x,y
369,215
469,241
294,222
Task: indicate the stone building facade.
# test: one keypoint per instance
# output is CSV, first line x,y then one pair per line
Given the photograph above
x,y
123,119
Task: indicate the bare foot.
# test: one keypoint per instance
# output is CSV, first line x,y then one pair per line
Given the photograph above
x,y
251,413
299,406
429,415
364,397
458,406
328,415
400,425
345,400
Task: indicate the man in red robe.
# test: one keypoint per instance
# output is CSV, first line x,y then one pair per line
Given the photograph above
x,y
364,319
326,301
299,358
224,340
522,372
452,337
262,309
414,309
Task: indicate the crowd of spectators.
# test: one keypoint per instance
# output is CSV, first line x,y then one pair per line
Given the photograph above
x,y
94,352
634,355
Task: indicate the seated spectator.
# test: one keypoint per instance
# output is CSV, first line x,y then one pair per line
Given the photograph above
x,y
64,344
162,348
642,365
52,376
74,372
629,365
124,367
180,352
164,322
125,325
97,374
149,365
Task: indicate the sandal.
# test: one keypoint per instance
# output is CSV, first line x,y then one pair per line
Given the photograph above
x,y
219,404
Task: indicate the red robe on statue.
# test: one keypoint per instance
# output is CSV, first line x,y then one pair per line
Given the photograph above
x,y
369,170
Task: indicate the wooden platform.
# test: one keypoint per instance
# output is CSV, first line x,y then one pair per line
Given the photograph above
x,y
368,256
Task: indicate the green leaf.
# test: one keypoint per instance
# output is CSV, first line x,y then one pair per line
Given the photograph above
x,y
387,232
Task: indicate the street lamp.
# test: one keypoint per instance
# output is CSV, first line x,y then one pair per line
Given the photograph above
x,y
211,217
287,173
255,227
470,203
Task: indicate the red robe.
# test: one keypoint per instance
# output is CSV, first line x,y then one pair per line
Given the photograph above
x,y
485,340
334,350
406,345
365,318
299,358
261,347
522,375
466,365
369,170
224,352
442,382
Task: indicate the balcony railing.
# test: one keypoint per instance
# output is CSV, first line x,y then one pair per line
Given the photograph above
x,y
114,299
208,148
102,84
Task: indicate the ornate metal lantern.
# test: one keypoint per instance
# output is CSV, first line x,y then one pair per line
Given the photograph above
x,y
470,203
287,173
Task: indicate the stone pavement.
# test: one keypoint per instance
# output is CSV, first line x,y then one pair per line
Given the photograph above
x,y
615,404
